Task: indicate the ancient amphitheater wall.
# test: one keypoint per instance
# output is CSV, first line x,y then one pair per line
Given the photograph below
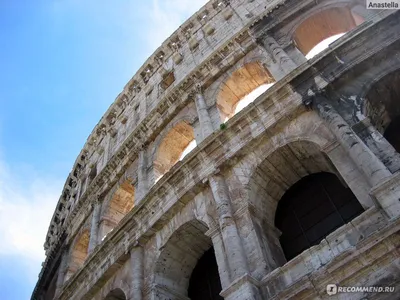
x,y
249,73
357,110
78,251
323,20
143,218
178,246
117,287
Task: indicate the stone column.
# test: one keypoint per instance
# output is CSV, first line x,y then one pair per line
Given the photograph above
x,y
241,282
220,255
371,166
142,176
230,235
378,144
278,54
376,172
137,267
204,117
94,229
61,272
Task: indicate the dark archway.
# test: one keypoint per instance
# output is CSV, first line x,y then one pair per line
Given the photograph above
x,y
184,261
392,133
312,209
116,294
204,284
383,107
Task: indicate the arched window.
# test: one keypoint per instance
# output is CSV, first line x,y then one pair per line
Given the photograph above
x,y
204,283
241,88
187,267
120,204
178,142
312,209
78,254
315,34
383,107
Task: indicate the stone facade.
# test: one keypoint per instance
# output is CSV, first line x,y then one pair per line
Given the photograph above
x,y
135,217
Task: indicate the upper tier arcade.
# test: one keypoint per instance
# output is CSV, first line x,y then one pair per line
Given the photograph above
x,y
235,75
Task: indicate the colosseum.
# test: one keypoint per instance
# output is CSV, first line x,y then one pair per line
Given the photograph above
x,y
188,188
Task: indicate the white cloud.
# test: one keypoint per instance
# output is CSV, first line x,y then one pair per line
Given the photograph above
x,y
27,198
27,203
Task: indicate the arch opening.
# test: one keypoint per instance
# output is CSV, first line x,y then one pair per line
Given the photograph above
x,y
204,283
271,182
382,106
311,209
79,254
242,88
178,142
187,266
116,294
121,203
318,31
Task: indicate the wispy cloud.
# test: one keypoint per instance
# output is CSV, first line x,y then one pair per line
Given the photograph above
x,y
27,197
27,202
165,16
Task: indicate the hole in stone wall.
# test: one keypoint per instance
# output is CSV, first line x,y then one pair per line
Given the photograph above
x,y
187,267
323,45
204,283
241,88
281,172
311,209
121,203
315,34
178,142
78,254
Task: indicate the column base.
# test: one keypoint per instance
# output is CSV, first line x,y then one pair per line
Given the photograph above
x,y
387,193
243,288
161,292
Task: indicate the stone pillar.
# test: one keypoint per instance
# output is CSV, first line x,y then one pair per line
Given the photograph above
x,y
220,255
376,172
230,235
378,144
241,282
94,228
278,54
204,117
137,267
351,174
61,272
371,166
261,244
142,176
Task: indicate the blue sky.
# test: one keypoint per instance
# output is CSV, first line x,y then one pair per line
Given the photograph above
x,y
63,62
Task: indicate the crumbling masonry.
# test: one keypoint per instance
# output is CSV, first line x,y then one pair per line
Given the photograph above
x,y
299,189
